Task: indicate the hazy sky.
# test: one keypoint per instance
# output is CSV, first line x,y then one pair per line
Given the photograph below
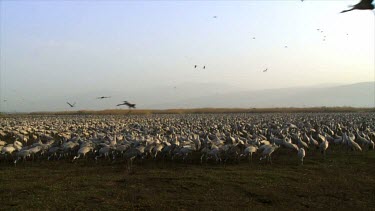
x,y
68,48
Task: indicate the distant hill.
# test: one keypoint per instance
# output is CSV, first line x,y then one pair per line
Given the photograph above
x,y
354,95
205,95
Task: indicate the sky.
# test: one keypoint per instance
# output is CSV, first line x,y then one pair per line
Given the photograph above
x,y
67,49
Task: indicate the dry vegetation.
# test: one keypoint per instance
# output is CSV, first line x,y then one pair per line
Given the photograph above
x,y
211,110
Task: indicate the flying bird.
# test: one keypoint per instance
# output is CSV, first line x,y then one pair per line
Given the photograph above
x,y
103,97
195,66
130,105
71,105
362,5
214,16
265,70
204,67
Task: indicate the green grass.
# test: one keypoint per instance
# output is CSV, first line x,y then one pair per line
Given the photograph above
x,y
343,180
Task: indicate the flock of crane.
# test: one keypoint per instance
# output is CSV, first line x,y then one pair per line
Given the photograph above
x,y
219,138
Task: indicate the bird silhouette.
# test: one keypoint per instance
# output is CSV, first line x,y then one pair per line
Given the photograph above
x,y
195,66
362,5
71,105
215,16
204,67
265,70
103,97
130,105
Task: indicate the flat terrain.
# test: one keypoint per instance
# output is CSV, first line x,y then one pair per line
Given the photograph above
x,y
343,180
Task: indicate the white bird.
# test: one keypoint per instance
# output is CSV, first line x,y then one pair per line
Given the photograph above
x,y
313,142
82,151
289,145
301,143
8,149
301,154
351,143
323,147
267,152
104,151
2,143
22,155
249,151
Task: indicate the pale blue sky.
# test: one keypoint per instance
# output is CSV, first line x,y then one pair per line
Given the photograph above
x,y
68,48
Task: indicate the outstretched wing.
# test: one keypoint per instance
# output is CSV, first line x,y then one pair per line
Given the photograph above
x,y
69,104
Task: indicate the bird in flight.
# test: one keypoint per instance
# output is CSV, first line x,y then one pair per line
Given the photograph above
x,y
71,105
362,5
103,97
130,105
214,16
204,67
265,70
195,66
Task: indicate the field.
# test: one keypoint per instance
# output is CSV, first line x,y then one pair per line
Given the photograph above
x,y
167,172
343,180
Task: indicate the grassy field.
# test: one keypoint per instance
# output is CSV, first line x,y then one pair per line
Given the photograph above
x,y
343,180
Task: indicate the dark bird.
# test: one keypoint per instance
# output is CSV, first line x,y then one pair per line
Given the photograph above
x,y
215,16
103,97
204,67
362,5
195,66
286,46
71,105
130,105
265,70
253,38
